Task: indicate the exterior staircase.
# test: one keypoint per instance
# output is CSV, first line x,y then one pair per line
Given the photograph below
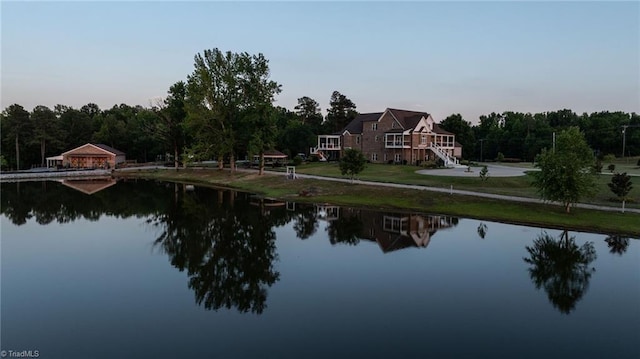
x,y
319,153
449,161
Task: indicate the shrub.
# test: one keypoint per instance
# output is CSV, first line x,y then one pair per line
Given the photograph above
x,y
611,167
608,158
297,161
314,159
597,166
484,173
638,164
500,157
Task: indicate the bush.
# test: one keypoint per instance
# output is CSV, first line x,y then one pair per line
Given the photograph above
x,y
428,164
638,164
597,166
297,161
314,159
611,167
500,157
608,158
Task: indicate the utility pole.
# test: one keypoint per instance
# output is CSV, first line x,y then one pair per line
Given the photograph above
x,y
624,136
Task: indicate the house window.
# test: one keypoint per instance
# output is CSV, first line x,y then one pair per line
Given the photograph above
x,y
423,139
374,126
377,138
397,157
393,125
374,157
358,140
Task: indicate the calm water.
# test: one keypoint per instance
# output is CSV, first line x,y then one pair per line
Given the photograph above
x,y
98,269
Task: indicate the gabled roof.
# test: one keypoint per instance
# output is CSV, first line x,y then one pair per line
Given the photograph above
x,y
109,148
440,130
98,146
355,126
407,119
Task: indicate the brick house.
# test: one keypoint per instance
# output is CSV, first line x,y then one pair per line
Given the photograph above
x,y
393,136
93,156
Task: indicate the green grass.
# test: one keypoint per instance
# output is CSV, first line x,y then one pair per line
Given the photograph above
x,y
511,186
277,186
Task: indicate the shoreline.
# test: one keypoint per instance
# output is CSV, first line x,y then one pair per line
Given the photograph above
x,y
383,196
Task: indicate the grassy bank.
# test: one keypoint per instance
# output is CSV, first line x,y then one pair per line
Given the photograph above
x,y
277,186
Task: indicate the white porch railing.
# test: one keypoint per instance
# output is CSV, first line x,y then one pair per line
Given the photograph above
x,y
449,161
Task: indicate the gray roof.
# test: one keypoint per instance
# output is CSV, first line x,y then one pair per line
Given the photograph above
x,y
355,126
109,148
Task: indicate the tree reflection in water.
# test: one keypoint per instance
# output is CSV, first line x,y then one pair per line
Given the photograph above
x,y
617,244
561,268
227,248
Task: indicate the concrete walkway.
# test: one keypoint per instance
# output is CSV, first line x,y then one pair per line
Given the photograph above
x,y
452,190
494,171
427,188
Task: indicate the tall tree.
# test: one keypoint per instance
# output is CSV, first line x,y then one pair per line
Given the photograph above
x,y
464,134
308,111
259,92
17,126
341,111
171,114
45,129
214,100
566,174
76,126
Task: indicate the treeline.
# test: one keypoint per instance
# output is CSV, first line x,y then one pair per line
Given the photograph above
x,y
521,136
224,110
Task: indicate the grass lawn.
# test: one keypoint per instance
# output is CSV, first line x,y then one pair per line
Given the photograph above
x,y
277,186
512,186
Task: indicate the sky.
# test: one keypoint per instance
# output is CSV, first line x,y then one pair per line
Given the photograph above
x,y
471,58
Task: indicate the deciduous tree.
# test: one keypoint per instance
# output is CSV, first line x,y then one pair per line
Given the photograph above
x,y
16,127
352,162
566,175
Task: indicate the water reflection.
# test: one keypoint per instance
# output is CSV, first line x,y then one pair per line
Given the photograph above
x,y
562,268
225,240
617,244
391,231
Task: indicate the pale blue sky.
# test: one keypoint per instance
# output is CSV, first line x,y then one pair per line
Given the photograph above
x,y
458,57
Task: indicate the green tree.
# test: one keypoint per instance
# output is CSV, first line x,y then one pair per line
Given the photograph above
x,y
352,162
171,114
566,175
45,129
621,185
463,131
484,174
308,111
16,127
260,119
340,113
76,127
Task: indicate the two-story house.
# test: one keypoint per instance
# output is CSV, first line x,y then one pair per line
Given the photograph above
x,y
393,136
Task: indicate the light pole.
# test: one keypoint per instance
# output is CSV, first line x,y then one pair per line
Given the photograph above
x,y
481,141
624,138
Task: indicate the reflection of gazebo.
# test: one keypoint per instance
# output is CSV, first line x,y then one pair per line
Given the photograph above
x,y
89,186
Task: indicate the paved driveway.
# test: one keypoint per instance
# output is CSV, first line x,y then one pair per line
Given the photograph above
x,y
494,171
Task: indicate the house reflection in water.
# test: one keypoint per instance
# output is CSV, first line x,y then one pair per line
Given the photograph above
x,y
89,186
392,231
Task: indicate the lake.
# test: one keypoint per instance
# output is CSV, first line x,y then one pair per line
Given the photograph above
x,y
145,269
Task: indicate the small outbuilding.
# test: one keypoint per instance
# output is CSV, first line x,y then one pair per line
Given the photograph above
x,y
272,157
93,156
